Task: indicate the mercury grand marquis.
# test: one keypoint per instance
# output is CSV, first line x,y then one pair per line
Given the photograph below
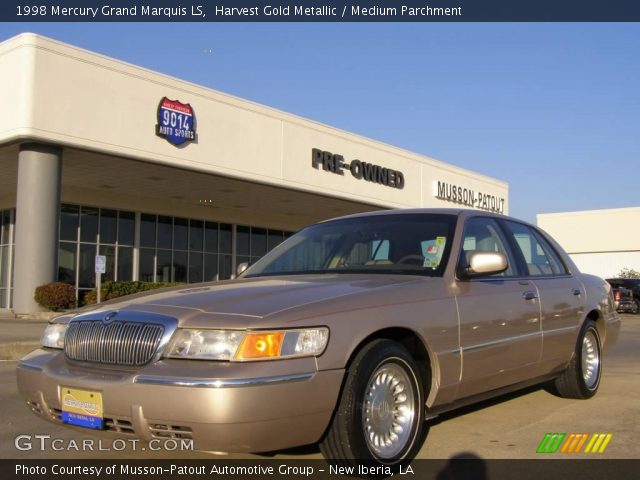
x,y
351,334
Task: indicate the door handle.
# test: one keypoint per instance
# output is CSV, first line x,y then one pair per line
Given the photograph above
x,y
576,291
529,295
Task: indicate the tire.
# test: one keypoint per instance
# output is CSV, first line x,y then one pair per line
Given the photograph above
x,y
637,309
581,379
364,427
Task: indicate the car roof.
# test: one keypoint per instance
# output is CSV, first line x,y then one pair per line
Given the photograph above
x,y
459,212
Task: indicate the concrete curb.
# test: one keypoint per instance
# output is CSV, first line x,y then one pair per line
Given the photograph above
x,y
38,316
16,350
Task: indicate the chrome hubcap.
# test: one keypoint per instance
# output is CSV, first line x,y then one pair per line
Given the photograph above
x,y
590,359
389,410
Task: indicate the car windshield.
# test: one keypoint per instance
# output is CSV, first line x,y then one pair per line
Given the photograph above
x,y
415,244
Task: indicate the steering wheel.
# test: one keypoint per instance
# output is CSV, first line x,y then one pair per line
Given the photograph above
x,y
411,259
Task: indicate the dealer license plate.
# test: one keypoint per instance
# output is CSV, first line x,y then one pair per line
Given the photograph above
x,y
82,408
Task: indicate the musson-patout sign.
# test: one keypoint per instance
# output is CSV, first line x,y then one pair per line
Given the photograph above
x,y
466,196
176,121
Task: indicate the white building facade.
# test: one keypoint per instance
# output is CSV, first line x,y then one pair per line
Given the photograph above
x,y
172,181
601,242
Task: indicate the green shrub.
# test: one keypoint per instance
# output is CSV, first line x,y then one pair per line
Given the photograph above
x,y
111,290
56,296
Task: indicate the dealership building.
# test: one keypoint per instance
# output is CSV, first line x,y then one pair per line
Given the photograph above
x,y
600,242
171,181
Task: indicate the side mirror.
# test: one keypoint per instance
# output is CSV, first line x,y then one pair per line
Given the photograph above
x,y
241,268
484,264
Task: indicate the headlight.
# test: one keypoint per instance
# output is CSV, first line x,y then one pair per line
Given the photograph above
x,y
235,345
205,344
53,336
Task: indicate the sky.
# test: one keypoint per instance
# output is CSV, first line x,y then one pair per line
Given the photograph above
x,y
551,108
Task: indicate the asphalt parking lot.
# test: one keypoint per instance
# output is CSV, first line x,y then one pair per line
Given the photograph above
x,y
508,427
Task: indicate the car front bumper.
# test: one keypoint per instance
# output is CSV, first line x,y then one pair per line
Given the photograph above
x,y
226,407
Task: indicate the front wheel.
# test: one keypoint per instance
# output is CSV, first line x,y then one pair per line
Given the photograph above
x,y
380,415
581,379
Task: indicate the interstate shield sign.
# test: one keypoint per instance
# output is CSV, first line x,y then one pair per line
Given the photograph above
x,y
176,122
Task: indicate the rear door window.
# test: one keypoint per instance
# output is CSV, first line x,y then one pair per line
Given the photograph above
x,y
537,254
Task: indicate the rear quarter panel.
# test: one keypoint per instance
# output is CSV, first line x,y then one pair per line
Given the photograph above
x,y
600,300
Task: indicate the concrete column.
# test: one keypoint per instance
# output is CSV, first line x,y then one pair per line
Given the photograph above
x,y
135,275
37,223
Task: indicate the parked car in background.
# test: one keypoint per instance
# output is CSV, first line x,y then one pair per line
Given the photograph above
x,y
627,292
624,300
349,334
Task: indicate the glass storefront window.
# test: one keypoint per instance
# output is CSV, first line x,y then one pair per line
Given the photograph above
x,y
165,232
108,226
69,222
275,238
171,249
258,242
86,266
211,237
126,228
225,239
88,224
180,267
147,230
225,267
125,263
5,227
110,268
196,235
195,267
210,267
242,240
6,257
147,258
164,267
67,262
4,261
100,230
180,234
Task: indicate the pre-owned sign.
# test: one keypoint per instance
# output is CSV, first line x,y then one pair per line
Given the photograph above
x,y
369,172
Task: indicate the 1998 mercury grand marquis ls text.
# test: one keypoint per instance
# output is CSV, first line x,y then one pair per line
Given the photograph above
x,y
350,334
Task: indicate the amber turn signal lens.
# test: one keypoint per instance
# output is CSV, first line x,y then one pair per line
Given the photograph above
x,y
260,345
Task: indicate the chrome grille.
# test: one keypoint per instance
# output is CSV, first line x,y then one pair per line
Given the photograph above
x,y
115,343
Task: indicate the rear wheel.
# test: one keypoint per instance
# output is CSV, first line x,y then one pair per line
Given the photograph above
x,y
581,379
380,415
637,307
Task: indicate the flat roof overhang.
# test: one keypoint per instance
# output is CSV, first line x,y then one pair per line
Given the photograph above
x,y
97,179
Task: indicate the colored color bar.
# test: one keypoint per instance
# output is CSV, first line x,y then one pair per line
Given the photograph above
x,y
591,442
605,443
542,448
565,446
582,440
557,442
596,446
576,439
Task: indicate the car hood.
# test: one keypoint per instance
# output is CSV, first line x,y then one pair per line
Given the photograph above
x,y
261,297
